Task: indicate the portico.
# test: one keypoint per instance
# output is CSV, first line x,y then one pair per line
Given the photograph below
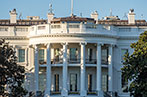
x,y
67,57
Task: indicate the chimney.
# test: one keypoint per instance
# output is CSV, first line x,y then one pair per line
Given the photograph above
x,y
94,15
131,17
50,17
13,16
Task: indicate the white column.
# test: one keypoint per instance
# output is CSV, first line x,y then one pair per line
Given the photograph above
x,y
99,71
82,88
48,70
36,68
110,69
64,85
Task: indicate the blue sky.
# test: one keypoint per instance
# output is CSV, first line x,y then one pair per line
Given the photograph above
x,y
62,7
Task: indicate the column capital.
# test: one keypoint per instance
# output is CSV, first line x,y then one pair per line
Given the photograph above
x,y
64,43
47,44
112,45
83,43
100,44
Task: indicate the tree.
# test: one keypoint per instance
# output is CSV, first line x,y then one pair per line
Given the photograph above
x,y
135,67
11,74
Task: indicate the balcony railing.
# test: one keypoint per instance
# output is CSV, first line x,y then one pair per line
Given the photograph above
x,y
55,92
90,61
74,92
92,92
74,61
56,61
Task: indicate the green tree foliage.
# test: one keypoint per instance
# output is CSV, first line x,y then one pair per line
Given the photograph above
x,y
135,67
11,74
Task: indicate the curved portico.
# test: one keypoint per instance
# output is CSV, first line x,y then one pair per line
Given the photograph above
x,y
81,61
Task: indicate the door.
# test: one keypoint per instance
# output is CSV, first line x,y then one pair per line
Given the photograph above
x,y
73,82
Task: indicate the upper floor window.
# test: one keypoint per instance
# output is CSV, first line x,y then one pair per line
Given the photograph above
x,y
73,26
41,56
123,52
41,27
124,29
55,26
91,26
3,29
21,29
21,55
104,55
73,54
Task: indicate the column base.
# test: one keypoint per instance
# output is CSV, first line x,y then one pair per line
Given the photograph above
x,y
83,93
47,94
100,93
64,92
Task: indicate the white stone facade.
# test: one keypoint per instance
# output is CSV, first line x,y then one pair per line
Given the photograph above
x,y
72,56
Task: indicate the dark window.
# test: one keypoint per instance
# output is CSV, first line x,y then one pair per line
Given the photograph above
x,y
89,82
104,56
56,82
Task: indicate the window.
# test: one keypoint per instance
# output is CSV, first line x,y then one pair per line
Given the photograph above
x,y
41,56
55,26
41,27
91,26
56,81
3,29
73,54
57,54
73,82
73,26
21,29
89,54
124,29
123,52
105,83
104,56
89,82
21,55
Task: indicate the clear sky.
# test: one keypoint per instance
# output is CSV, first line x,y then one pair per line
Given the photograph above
x,y
62,7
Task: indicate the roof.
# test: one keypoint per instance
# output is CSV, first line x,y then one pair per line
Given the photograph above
x,y
72,18
123,22
22,22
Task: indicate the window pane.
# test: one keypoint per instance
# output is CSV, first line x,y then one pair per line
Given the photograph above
x,y
73,82
89,82
73,54
104,56
41,55
21,55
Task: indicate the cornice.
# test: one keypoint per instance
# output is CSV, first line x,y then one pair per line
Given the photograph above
x,y
128,38
14,37
75,35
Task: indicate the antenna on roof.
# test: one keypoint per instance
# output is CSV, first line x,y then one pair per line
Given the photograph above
x,y
110,11
20,15
50,8
142,16
81,14
125,16
72,8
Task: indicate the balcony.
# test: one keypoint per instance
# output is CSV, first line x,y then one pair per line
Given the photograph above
x,y
57,61
74,61
55,92
90,61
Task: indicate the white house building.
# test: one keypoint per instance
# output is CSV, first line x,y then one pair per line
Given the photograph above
x,y
73,56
